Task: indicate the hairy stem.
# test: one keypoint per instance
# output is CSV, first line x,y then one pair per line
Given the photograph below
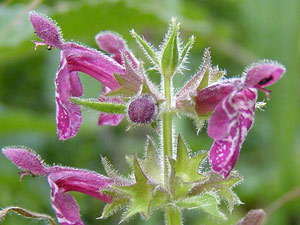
x,y
167,117
172,215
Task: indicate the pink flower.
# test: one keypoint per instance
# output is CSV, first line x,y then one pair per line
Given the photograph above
x,y
61,180
233,104
76,58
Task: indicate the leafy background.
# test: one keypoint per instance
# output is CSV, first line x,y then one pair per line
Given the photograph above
x,y
238,32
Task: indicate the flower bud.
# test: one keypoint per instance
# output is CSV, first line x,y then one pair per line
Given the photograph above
x,y
142,109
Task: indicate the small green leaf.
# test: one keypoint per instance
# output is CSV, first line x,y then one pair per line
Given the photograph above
x,y
140,193
222,186
170,52
185,166
207,201
206,63
150,165
146,47
216,74
186,49
106,107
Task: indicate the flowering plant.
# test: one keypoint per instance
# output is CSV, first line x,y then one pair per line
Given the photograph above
x,y
169,178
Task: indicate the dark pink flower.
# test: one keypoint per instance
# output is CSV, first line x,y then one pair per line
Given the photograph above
x,y
233,104
76,58
61,180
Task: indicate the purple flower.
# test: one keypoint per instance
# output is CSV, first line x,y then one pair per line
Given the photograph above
x,y
233,104
61,180
76,58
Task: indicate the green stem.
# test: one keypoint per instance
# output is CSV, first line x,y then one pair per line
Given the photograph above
x,y
172,216
167,118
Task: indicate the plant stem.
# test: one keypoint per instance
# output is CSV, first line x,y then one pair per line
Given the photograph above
x,y
167,118
172,215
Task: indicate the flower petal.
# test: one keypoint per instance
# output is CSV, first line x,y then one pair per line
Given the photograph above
x,y
114,44
235,115
93,63
46,29
84,181
263,74
64,205
208,98
68,115
26,160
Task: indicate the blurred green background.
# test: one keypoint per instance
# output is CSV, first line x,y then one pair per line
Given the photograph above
x,y
238,31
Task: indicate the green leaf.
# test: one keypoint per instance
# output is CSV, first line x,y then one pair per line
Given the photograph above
x,y
170,52
112,173
186,49
216,74
206,63
150,165
119,202
208,202
146,47
106,107
185,166
223,187
140,193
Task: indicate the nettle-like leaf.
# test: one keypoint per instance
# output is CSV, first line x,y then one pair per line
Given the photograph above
x,y
140,193
120,201
170,51
151,164
149,50
186,166
106,107
222,186
207,202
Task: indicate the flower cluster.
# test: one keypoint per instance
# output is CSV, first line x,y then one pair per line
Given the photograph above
x,y
174,179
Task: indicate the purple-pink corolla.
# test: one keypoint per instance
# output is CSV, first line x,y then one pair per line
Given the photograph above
x,y
74,58
233,104
61,180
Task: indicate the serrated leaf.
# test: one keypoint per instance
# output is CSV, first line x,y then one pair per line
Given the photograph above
x,y
146,47
170,52
159,198
208,202
107,107
185,166
150,165
140,193
119,202
223,187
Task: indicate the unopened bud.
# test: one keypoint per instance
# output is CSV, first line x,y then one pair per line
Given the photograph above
x,y
143,109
